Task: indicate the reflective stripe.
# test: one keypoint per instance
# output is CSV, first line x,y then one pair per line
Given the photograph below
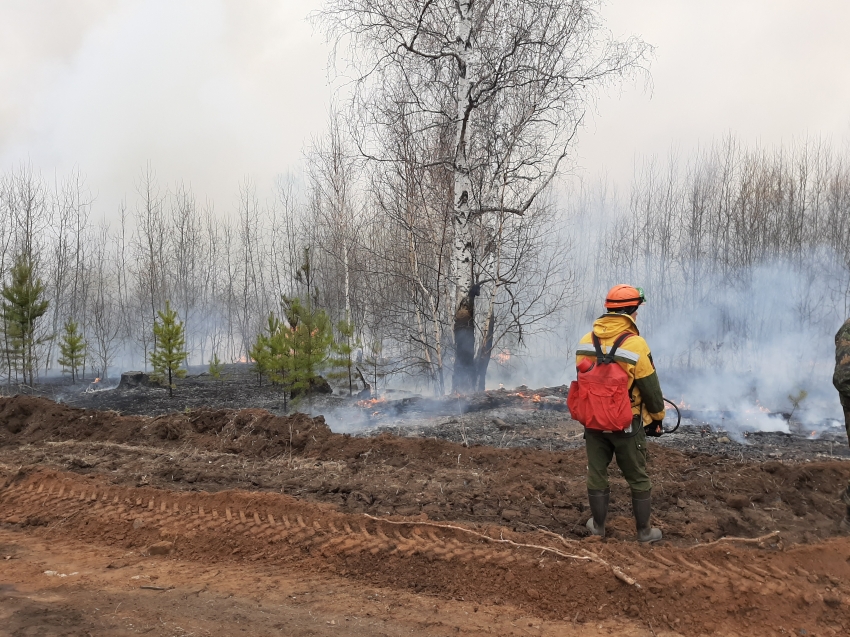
x,y
587,349
631,356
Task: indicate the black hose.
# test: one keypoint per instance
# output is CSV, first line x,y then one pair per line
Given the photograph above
x,y
678,417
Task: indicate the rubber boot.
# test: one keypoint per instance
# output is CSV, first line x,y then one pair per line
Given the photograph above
x,y
599,510
642,507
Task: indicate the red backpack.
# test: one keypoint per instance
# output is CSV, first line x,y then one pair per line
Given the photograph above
x,y
599,397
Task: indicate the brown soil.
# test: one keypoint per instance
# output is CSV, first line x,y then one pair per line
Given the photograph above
x,y
252,491
102,595
697,497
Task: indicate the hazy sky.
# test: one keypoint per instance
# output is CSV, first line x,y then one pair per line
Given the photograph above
x,y
212,91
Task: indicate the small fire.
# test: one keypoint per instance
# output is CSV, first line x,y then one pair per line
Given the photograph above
x,y
529,396
503,356
371,402
92,386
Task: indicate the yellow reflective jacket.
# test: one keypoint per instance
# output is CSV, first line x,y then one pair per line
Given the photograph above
x,y
634,357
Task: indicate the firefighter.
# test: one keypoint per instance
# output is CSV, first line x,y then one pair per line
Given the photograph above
x,y
841,380
629,445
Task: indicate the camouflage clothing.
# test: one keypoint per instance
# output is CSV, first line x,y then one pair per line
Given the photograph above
x,y
841,380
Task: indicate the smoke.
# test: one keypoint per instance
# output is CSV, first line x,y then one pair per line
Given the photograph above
x,y
745,345
206,90
763,346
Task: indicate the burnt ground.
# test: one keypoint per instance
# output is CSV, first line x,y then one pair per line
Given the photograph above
x,y
497,418
268,494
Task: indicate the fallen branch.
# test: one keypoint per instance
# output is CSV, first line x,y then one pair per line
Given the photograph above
x,y
623,577
555,535
483,537
593,556
742,540
156,588
587,556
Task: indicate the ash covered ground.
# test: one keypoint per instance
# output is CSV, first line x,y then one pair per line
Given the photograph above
x,y
515,418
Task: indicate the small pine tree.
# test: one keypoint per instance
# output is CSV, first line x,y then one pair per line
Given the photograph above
x,y
216,367
22,306
72,350
281,345
343,348
311,340
261,352
168,353
796,400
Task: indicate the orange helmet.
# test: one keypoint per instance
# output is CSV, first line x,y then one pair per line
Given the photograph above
x,y
624,296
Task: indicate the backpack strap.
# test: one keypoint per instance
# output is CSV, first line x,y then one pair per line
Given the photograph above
x,y
597,345
601,357
622,338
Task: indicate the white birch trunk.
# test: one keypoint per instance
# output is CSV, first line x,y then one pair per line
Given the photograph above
x,y
464,327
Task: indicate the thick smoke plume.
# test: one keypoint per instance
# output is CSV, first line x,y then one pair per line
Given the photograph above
x,y
745,258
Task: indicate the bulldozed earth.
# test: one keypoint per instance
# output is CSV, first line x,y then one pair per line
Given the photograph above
x,y
216,521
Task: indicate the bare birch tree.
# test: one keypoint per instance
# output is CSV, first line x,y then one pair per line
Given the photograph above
x,y
453,60
103,318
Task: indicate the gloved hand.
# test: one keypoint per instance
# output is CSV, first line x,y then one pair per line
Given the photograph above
x,y
654,428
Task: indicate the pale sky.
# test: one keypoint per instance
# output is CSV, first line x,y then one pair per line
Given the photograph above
x,y
213,91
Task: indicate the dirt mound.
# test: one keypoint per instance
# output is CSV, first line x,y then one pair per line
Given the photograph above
x,y
696,497
252,432
721,587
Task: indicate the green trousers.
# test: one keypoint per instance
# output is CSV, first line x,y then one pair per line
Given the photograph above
x,y
631,458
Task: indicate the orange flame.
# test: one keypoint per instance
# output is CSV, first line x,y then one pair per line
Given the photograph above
x,y
96,380
527,395
371,402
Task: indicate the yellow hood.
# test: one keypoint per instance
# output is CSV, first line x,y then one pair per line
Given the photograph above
x,y
609,326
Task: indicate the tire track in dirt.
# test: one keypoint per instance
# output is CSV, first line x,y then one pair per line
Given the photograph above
x,y
697,588
66,500
52,501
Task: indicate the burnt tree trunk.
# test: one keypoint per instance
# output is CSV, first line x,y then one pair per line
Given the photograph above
x,y
464,332
485,351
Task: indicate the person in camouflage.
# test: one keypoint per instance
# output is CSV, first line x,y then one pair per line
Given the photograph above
x,y
841,380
